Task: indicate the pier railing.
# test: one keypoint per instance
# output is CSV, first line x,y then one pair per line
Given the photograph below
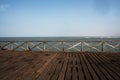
x,y
62,46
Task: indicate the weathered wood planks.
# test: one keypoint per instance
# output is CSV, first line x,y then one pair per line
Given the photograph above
x,y
59,66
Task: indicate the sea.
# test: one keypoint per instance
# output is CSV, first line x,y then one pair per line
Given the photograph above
x,y
58,38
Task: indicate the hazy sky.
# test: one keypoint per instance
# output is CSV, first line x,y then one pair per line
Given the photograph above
x,y
38,18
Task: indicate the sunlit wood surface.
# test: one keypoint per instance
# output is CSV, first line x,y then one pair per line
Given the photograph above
x,y
59,66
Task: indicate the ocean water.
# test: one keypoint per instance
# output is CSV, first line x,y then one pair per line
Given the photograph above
x,y
56,39
111,45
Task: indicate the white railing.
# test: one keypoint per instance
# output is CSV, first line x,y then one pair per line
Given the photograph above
x,y
62,46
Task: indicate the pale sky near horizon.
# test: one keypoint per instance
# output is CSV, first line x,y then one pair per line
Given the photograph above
x,y
42,18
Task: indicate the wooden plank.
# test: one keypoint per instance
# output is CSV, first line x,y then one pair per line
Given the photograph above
x,y
46,64
64,68
103,75
113,58
92,72
68,75
19,67
58,67
7,64
109,68
19,63
65,43
81,74
13,75
52,70
37,65
95,67
53,46
75,68
91,47
85,68
49,69
109,77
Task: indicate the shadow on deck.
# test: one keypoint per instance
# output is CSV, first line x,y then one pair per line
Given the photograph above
x,y
59,66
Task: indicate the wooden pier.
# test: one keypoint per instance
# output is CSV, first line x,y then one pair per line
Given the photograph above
x,y
16,65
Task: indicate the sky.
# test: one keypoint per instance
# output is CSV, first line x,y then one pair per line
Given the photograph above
x,y
46,18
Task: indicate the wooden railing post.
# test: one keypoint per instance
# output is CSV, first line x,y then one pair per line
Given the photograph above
x,y
81,46
63,46
44,46
11,45
102,47
27,46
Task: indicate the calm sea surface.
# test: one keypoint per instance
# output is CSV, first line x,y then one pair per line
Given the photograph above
x,y
55,38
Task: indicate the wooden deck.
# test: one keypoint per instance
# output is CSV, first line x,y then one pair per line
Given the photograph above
x,y
59,66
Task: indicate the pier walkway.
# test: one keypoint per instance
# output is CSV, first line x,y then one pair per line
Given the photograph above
x,y
16,65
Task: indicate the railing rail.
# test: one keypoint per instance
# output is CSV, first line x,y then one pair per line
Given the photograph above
x,y
62,46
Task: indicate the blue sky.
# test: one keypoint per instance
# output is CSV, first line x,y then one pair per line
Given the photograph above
x,y
42,18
